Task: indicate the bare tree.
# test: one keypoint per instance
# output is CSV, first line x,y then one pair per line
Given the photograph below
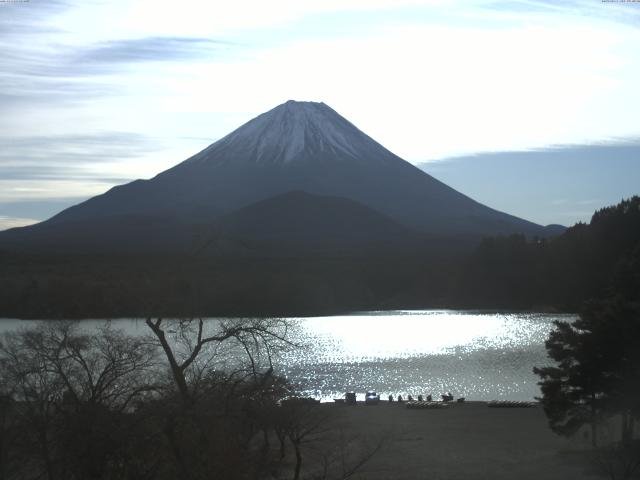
x,y
105,367
222,371
302,421
323,446
348,455
37,389
193,349
72,389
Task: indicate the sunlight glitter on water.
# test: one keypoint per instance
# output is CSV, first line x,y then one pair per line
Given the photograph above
x,y
404,334
479,355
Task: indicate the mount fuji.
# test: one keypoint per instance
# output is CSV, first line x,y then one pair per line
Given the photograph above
x,y
299,171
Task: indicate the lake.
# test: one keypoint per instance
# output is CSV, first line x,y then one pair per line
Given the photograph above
x,y
477,355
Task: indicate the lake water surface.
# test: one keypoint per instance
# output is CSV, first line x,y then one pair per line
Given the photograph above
x,y
478,355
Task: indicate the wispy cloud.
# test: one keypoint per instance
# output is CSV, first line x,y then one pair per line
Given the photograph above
x,y
96,146
27,17
71,155
36,209
620,12
57,172
12,222
560,184
70,73
12,190
106,57
151,49
43,63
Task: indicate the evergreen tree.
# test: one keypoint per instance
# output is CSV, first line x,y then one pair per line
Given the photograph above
x,y
598,369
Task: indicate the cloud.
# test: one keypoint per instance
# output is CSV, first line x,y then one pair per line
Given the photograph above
x,y
59,170
614,11
70,147
37,209
43,62
10,30
71,155
151,49
67,77
55,172
12,190
25,91
203,17
29,14
103,58
560,184
12,222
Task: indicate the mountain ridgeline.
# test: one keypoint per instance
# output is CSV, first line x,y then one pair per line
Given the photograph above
x,y
296,147
295,212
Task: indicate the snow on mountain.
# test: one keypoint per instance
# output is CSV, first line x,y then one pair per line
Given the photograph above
x,y
289,133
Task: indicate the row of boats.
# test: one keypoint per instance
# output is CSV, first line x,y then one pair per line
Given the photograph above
x,y
372,398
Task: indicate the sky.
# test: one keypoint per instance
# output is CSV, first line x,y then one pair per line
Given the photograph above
x,y
531,107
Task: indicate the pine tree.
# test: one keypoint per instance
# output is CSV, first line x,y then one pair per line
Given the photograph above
x,y
598,369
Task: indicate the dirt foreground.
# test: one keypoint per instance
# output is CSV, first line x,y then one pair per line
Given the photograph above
x,y
463,441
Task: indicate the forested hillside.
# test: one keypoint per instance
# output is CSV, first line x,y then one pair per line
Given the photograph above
x,y
511,272
587,261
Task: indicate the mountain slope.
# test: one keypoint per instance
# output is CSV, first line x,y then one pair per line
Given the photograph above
x,y
298,223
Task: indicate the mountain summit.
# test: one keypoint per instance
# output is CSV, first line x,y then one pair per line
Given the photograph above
x,y
295,147
293,132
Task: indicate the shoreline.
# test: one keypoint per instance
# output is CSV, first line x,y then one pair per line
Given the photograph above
x,y
319,314
465,440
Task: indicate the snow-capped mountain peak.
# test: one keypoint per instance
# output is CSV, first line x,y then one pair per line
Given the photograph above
x,y
297,146
293,131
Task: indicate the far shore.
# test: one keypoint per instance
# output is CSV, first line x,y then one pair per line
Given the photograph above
x,y
303,314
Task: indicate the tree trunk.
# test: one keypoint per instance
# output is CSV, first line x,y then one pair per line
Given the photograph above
x,y
265,436
46,456
3,455
627,426
281,439
594,421
176,370
169,431
296,475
